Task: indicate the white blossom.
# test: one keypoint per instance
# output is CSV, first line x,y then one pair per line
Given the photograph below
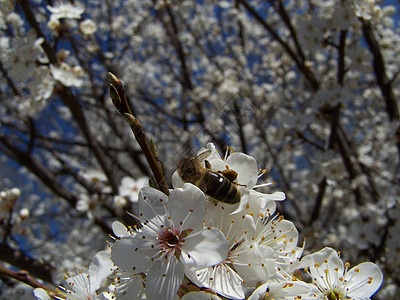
x,y
172,236
66,10
334,279
87,27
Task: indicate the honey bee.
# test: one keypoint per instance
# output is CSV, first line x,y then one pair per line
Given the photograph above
x,y
218,185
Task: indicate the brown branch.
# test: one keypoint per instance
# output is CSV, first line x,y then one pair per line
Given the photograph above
x,y
341,57
241,30
287,20
185,78
309,75
187,81
23,276
117,94
10,82
380,74
76,109
42,172
48,49
318,201
238,117
71,101
37,268
46,177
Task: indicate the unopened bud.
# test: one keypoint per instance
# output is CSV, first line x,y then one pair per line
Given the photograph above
x,y
153,148
116,100
113,79
15,192
132,121
24,213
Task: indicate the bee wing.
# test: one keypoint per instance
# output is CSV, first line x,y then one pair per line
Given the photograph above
x,y
203,155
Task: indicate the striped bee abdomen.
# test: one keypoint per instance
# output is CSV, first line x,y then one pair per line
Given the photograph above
x,y
221,188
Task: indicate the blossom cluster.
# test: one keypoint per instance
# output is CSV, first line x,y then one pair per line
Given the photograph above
x,y
193,246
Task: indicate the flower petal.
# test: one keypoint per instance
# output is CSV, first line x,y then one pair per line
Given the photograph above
x,y
275,196
285,290
164,279
41,294
363,280
251,265
152,202
120,230
204,248
185,202
100,267
177,181
200,296
246,167
319,262
133,254
221,278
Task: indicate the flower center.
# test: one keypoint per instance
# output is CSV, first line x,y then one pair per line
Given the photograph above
x,y
170,240
335,294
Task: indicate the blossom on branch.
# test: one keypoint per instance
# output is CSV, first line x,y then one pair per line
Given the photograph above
x,y
171,237
334,279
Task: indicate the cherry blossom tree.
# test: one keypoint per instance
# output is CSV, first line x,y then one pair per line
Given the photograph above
x,y
298,98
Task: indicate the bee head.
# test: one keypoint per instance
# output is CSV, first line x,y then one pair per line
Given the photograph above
x,y
189,168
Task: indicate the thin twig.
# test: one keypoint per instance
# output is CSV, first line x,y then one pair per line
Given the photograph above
x,y
23,276
117,94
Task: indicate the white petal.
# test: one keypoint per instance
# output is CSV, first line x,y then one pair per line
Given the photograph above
x,y
257,204
133,291
245,197
285,290
275,196
205,248
221,279
152,202
363,280
287,230
334,264
250,264
260,292
100,268
177,181
41,294
187,206
125,255
246,167
120,230
164,279
200,296
214,153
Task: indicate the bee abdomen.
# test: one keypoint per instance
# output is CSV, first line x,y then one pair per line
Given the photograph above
x,y
221,188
